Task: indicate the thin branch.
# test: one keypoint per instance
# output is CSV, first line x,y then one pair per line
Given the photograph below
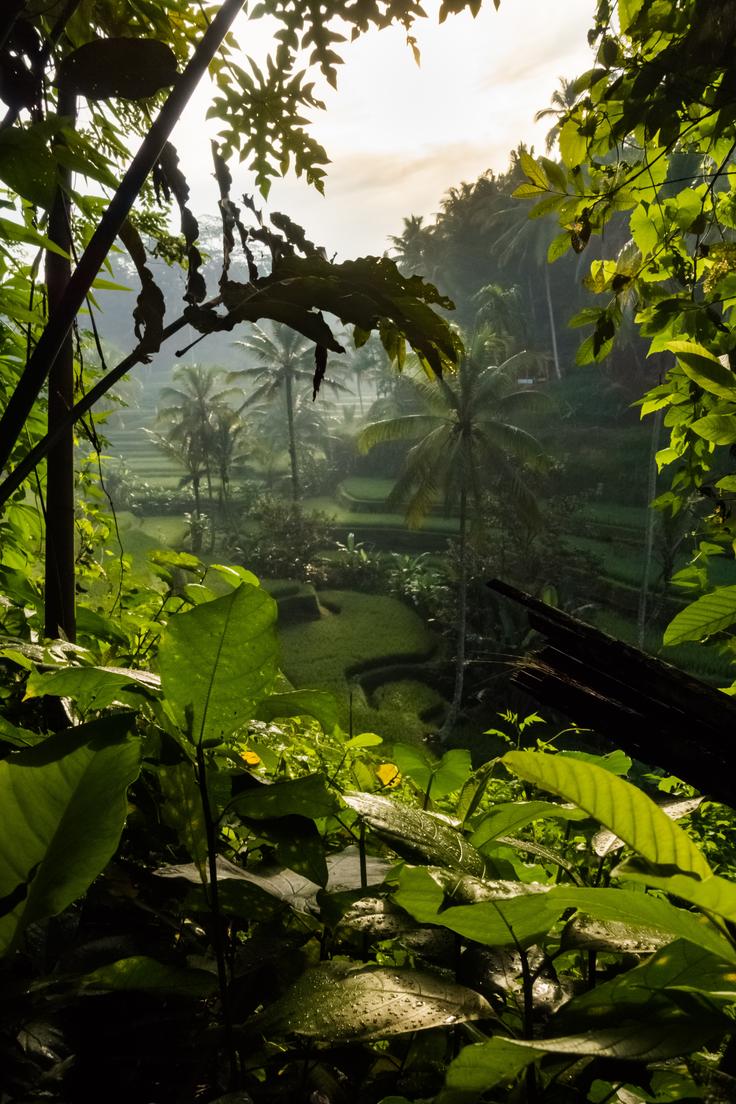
x,y
52,338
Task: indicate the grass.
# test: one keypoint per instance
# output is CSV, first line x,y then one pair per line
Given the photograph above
x,y
359,632
340,515
367,488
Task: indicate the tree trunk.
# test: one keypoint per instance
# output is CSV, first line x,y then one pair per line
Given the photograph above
x,y
462,624
196,526
552,326
641,615
60,567
292,437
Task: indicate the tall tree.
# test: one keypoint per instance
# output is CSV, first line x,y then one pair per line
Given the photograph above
x,y
466,441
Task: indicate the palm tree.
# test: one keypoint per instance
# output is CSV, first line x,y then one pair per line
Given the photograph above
x,y
187,409
285,360
562,101
410,246
464,441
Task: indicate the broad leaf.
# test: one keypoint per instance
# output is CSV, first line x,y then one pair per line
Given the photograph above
x,y
91,688
150,976
283,884
182,811
526,914
414,832
129,68
63,805
705,616
483,1066
719,429
704,368
438,777
217,660
308,797
611,936
713,894
342,1000
667,1035
617,804
300,703
509,817
605,842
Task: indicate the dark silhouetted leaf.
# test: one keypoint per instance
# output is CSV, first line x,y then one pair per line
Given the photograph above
x,y
128,68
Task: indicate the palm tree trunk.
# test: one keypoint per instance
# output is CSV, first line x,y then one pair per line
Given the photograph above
x,y
196,529
552,326
292,437
60,619
462,625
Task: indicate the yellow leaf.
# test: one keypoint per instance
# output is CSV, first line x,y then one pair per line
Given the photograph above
x,y
388,774
250,758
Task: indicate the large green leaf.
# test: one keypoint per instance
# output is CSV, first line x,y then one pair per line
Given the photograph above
x,y
342,1000
482,1066
308,797
300,703
705,616
413,832
63,805
704,368
150,976
217,660
666,1035
508,921
438,777
719,429
182,810
618,805
509,817
714,894
131,68
525,914
93,688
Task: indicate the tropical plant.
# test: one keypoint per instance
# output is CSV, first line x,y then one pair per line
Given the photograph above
x,y
464,443
284,371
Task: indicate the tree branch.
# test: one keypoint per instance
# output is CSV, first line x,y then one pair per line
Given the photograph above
x,y
52,338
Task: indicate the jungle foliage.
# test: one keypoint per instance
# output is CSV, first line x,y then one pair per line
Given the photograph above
x,y
209,888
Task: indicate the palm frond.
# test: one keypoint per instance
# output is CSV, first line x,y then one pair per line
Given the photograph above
x,y
406,428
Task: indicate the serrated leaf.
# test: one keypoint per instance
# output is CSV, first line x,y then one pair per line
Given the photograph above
x,y
415,832
64,804
617,804
712,613
341,1000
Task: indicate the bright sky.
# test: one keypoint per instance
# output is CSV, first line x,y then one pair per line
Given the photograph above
x,y
399,136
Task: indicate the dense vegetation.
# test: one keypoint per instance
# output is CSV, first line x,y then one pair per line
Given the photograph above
x,y
275,824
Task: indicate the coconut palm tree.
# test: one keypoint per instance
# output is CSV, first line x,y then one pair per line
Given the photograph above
x,y
561,101
466,441
284,367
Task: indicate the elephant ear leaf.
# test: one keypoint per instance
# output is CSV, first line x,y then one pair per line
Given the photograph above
x,y
64,804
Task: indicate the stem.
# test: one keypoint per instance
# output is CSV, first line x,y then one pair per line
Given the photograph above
x,y
56,330
552,327
214,903
60,619
641,614
22,470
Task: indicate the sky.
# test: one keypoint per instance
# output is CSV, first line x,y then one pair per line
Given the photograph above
x,y
399,136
